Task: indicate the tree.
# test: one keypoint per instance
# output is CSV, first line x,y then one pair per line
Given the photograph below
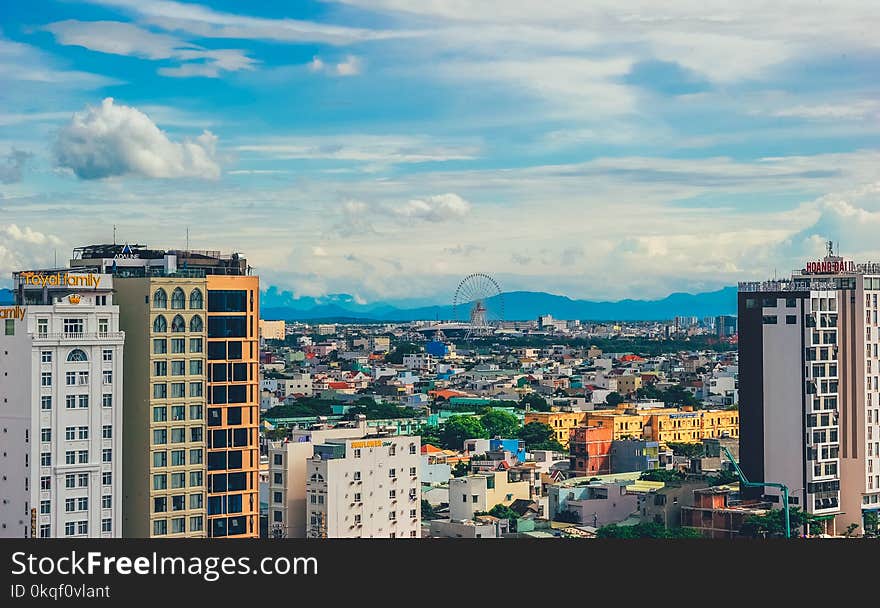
x,y
663,475
431,436
691,450
539,436
428,511
503,512
649,391
459,428
396,355
869,521
678,396
535,402
772,524
499,423
645,530
724,477
613,399
460,469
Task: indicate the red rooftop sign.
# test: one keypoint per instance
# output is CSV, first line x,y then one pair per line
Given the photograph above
x,y
830,267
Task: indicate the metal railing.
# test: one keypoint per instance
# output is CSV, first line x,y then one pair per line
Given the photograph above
x,y
89,335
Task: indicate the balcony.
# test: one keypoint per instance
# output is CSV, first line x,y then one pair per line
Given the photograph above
x,y
78,337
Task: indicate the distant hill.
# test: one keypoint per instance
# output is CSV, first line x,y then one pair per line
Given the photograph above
x,y
518,305
6,296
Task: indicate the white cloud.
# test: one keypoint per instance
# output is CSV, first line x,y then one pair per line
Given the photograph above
x,y
28,235
26,64
120,38
350,67
113,140
439,208
391,149
11,170
208,23
316,65
853,110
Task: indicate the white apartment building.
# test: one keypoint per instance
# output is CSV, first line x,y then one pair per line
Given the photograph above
x,y
364,488
297,384
420,361
287,475
61,408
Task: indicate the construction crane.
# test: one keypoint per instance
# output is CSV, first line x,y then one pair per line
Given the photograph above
x,y
761,484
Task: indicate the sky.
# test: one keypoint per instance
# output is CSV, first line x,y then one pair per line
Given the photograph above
x,y
388,148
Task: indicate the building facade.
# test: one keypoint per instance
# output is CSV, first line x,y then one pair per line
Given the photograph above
x,y
61,357
590,450
364,488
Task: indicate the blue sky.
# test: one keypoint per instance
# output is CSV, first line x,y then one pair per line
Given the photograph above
x,y
387,148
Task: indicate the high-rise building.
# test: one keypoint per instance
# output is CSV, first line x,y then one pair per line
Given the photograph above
x,y
725,326
809,390
191,462
61,407
364,488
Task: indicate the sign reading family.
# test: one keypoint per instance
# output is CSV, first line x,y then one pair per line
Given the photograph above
x,y
62,279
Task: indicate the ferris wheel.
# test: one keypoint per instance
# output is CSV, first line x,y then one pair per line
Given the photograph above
x,y
479,302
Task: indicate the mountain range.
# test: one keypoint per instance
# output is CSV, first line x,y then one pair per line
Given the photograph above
x,y
518,305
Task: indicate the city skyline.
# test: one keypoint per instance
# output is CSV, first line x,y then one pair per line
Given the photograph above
x,y
386,149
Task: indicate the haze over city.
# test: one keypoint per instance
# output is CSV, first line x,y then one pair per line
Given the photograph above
x,y
386,149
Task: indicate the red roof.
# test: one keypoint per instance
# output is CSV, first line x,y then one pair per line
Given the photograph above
x,y
338,385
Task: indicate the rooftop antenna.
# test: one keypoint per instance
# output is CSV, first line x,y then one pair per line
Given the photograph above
x,y
55,253
114,234
187,238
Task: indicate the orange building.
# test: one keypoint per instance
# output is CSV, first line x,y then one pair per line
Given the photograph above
x,y
233,406
590,450
623,425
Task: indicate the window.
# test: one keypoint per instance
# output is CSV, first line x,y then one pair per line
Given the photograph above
x,y
195,299
357,519
412,471
196,325
46,402
178,324
46,379
70,378
160,436
45,434
160,346
73,327
195,479
45,459
160,414
45,483
769,319
160,325
195,523
42,327
160,527
107,355
412,448
392,494
77,355
10,327
178,389
107,432
195,345
178,525
103,326
178,503
69,528
82,504
178,458
220,300
82,401
357,496
160,459
160,368
160,299
195,456
160,391
392,515
45,507
195,412
160,482
108,376
178,480
178,412
82,432
70,480
107,400
178,345
790,319
227,327
106,525
82,480
107,455
412,513
46,356
196,367
82,456
392,473
178,368
357,475
178,435
357,453
106,478
195,389
178,301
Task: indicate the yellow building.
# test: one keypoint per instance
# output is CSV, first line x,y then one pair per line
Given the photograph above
x,y
628,384
272,330
718,423
623,425
681,426
560,422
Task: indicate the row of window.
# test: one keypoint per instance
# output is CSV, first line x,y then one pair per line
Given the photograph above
x,y
178,390
178,413
77,355
178,299
178,435
178,525
75,401
75,378
178,367
46,480
76,432
76,528
178,457
76,504
177,503
772,319
178,325
178,480
178,345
